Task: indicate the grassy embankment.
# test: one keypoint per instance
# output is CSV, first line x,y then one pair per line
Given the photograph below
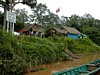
x,y
18,53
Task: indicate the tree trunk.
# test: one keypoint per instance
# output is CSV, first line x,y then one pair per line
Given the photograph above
x,y
4,24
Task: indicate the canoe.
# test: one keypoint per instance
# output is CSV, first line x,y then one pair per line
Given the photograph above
x,y
87,69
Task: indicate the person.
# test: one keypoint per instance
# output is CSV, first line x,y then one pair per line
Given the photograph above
x,y
20,31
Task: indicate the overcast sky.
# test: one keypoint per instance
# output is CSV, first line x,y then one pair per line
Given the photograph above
x,y
69,7
78,7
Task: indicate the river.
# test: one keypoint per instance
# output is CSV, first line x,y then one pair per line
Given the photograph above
x,y
60,66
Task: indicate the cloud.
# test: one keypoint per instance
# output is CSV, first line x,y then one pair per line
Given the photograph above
x,y
79,7
69,7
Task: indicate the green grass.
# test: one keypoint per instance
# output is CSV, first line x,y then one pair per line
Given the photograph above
x,y
18,52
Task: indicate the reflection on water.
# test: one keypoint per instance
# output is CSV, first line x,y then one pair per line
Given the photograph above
x,y
60,66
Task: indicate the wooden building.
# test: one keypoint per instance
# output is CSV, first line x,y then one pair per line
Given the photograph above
x,y
54,31
33,29
71,32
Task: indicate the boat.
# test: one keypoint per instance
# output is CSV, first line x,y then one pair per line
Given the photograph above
x,y
86,69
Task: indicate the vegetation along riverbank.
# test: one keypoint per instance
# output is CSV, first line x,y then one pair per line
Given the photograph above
x,y
19,53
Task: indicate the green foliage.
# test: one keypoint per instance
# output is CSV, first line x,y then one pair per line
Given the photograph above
x,y
86,24
17,53
84,46
11,60
21,15
42,50
42,15
30,3
93,33
9,5
38,13
18,26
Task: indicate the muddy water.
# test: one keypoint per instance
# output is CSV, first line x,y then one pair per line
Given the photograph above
x,y
60,66
98,73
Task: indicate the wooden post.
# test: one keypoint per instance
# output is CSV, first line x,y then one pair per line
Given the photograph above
x,y
13,28
7,26
10,26
30,66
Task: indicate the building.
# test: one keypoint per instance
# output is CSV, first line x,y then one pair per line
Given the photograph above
x,y
71,32
33,29
54,31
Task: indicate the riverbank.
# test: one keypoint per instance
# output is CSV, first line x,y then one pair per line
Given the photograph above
x,y
60,66
22,53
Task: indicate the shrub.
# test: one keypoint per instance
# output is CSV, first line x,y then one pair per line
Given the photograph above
x,y
17,53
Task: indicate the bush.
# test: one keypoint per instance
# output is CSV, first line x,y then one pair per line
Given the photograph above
x,y
11,56
84,46
17,53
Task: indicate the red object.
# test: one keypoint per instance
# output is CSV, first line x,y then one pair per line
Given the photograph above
x,y
20,31
58,10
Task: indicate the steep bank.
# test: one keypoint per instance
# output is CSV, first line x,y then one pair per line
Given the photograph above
x,y
19,53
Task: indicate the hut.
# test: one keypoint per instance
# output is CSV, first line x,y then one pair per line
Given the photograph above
x,y
54,31
71,32
33,29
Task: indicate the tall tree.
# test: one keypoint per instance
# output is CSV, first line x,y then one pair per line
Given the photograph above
x,y
9,5
21,18
53,18
89,20
38,13
74,21
21,15
42,15
97,23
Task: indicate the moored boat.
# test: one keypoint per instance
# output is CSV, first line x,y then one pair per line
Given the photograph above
x,y
87,69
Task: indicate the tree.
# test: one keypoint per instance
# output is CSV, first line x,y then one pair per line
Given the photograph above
x,y
97,23
93,33
80,21
86,24
9,5
1,19
42,15
38,13
89,20
74,21
22,15
18,26
53,18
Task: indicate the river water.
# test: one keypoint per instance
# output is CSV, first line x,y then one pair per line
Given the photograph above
x,y
60,66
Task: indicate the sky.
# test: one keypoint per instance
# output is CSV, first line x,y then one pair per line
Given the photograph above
x,y
70,7
78,7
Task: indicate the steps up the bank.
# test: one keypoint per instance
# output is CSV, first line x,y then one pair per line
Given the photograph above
x,y
70,53
67,55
